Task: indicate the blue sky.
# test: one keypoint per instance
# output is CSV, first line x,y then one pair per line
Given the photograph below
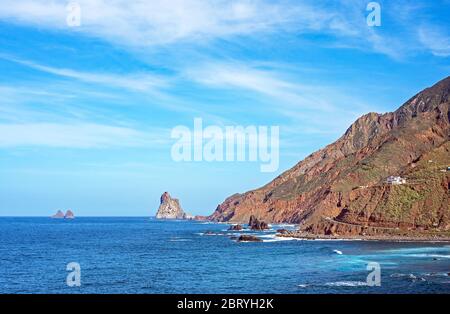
x,y
86,112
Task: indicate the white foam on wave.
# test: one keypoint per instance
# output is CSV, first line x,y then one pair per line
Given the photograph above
x,y
346,284
436,275
210,234
420,250
275,238
180,240
424,255
411,276
278,239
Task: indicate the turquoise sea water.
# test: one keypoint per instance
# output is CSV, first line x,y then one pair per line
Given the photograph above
x,y
143,255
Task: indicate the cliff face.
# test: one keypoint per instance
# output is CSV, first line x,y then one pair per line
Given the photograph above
x,y
170,208
342,189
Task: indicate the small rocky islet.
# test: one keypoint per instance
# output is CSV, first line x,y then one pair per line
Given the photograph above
x,y
170,208
60,215
248,238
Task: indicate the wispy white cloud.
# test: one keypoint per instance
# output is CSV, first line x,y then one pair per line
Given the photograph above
x,y
436,40
155,23
28,101
238,75
67,123
77,135
161,22
285,92
134,81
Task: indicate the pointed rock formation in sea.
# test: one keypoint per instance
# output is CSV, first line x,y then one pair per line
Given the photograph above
x,y
255,224
342,190
170,208
59,215
69,215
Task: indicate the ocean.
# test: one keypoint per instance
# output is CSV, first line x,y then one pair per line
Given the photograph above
x,y
145,255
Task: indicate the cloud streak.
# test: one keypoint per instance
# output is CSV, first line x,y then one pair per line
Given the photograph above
x,y
284,91
161,23
76,135
158,22
435,40
135,81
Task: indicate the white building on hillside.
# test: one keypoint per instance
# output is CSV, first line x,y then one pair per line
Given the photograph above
x,y
395,180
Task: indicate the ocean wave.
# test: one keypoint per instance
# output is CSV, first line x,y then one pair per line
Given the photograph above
x,y
420,250
249,231
275,238
180,240
211,234
410,276
424,255
346,284
279,239
436,275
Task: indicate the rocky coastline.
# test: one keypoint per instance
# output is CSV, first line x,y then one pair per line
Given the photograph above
x,y
387,177
301,235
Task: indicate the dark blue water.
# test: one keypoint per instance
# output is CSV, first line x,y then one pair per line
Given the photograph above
x,y
142,255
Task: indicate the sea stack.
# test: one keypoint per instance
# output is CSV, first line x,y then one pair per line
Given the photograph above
x,y
255,224
170,208
69,215
59,215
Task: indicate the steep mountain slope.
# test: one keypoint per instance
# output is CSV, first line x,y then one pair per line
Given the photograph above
x,y
341,188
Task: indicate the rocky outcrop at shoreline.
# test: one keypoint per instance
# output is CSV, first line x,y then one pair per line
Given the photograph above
x,y
235,228
381,237
255,224
248,238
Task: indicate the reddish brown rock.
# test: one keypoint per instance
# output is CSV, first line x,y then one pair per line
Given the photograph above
x,y
235,228
59,214
341,188
69,215
255,224
200,218
170,208
248,238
